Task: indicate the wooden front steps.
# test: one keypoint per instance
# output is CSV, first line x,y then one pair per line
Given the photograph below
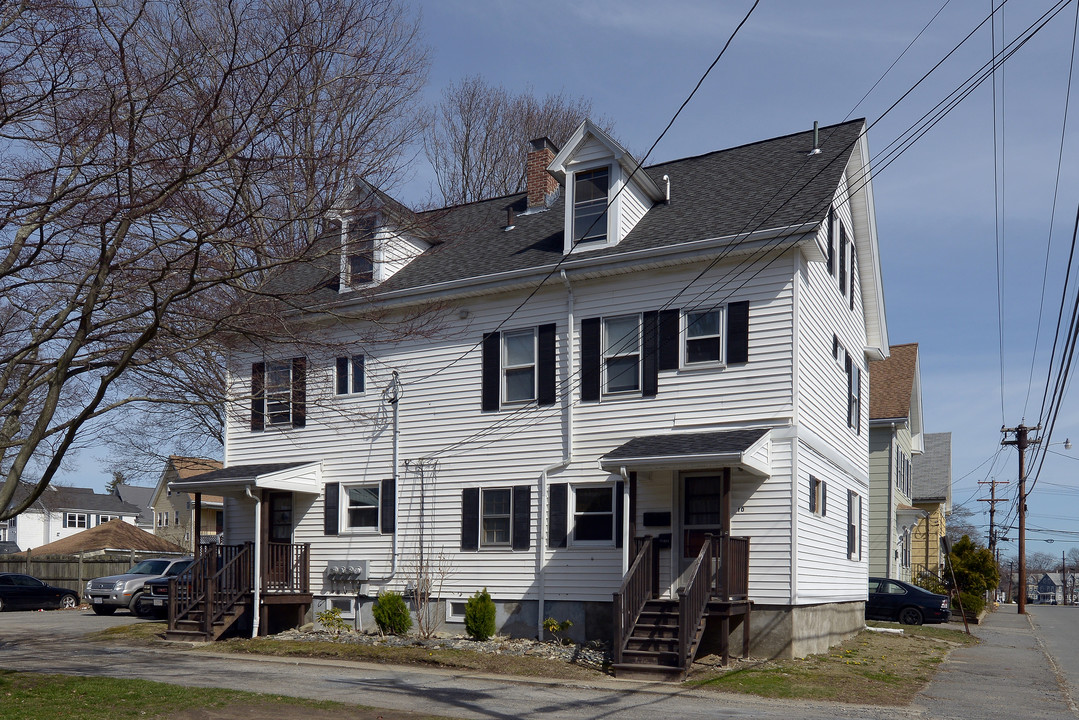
x,y
192,627
652,646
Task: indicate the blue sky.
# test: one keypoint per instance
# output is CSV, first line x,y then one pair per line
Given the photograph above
x,y
795,62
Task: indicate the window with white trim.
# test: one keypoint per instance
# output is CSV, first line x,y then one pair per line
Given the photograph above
x,y
279,392
593,515
361,506
349,375
622,354
817,496
359,255
75,520
854,525
854,395
590,189
496,511
519,365
106,518
704,336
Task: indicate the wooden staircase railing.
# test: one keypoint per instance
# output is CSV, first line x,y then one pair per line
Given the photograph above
x,y
220,578
693,598
636,590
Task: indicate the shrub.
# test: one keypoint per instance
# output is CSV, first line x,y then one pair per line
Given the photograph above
x,y
331,620
480,616
972,604
391,613
558,629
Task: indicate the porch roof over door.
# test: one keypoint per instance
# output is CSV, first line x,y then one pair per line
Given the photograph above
x,y
746,449
301,477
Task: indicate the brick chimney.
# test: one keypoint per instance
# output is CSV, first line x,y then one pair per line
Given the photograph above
x,y
538,181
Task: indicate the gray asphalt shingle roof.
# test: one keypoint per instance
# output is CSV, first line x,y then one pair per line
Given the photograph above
x,y
764,185
685,444
234,472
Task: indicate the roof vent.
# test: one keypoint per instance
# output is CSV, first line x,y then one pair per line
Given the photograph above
x,y
816,140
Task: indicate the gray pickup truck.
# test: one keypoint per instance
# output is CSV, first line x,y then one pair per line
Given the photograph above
x,y
107,594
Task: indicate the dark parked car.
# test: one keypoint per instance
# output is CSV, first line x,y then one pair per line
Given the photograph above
x,y
905,603
22,592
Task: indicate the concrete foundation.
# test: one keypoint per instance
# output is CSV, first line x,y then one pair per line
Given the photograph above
x,y
786,632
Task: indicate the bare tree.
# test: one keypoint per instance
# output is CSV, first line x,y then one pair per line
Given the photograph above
x,y
158,162
961,522
477,140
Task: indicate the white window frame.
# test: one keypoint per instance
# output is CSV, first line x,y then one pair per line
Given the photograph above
x,y
101,519
575,513
274,394
623,352
347,282
816,496
595,240
721,336
508,515
455,609
76,516
350,375
345,525
854,521
508,367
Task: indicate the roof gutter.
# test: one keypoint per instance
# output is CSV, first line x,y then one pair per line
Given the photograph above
x,y
748,243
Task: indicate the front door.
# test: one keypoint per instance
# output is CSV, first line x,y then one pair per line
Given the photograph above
x,y
279,535
705,510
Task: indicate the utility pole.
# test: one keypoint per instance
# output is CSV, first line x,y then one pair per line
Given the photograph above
x,y
992,500
1022,441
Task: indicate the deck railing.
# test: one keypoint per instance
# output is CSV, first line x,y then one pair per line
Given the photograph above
x,y
288,568
219,572
630,599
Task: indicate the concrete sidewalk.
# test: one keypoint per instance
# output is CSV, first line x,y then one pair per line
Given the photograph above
x,y
1008,675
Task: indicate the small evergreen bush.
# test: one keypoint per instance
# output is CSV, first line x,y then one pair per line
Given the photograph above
x,y
391,613
331,620
480,616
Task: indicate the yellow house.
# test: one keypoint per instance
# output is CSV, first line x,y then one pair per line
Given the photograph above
x,y
174,512
932,493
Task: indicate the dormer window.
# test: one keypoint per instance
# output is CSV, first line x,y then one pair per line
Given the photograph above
x,y
590,189
359,250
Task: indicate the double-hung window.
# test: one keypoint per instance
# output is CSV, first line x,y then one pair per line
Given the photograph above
x,y
622,354
278,392
854,525
361,507
593,515
496,507
349,375
519,365
854,395
75,520
590,189
704,329
360,250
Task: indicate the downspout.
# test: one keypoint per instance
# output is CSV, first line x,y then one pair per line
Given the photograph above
x,y
257,599
567,457
393,397
625,525
891,508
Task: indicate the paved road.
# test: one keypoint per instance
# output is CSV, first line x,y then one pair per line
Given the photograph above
x,y
1057,629
1008,675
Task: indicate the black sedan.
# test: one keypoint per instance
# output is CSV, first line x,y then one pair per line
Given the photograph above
x,y
905,603
22,592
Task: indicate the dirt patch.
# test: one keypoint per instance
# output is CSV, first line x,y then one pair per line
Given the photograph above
x,y
259,711
870,668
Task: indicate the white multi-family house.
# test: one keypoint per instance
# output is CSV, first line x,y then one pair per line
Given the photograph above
x,y
61,512
645,387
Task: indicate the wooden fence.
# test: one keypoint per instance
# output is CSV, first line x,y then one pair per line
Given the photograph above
x,y
72,571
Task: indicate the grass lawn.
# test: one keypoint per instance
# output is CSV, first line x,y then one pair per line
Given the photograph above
x,y
31,696
870,668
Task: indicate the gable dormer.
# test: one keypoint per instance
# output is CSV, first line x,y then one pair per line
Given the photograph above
x,y
378,236
604,198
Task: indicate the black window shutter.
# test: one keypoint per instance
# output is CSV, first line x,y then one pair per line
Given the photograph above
x,y
470,519
258,404
299,392
842,258
812,494
590,359
492,368
619,510
831,241
853,276
738,332
668,339
546,393
330,509
342,376
650,361
850,523
847,365
823,499
65,519
522,517
557,508
387,501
